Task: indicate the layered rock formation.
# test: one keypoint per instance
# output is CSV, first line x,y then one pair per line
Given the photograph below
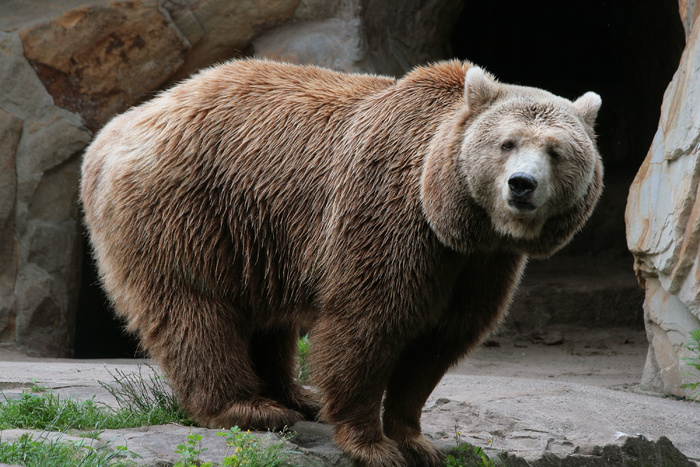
x,y
663,223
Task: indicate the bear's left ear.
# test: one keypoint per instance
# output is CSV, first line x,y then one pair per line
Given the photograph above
x,y
479,89
587,107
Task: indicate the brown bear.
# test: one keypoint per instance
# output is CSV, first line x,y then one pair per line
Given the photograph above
x,y
395,215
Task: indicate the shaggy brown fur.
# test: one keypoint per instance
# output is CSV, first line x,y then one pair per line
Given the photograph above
x,y
257,196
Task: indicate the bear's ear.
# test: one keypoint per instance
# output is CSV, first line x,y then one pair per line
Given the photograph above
x,y
479,89
587,107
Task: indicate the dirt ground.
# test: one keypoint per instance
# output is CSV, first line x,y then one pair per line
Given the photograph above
x,y
517,395
610,358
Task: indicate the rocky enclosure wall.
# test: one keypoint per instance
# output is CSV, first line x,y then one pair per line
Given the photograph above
x,y
663,222
68,66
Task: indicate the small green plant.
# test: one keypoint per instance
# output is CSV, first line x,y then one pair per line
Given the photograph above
x,y
190,452
36,388
303,369
244,449
694,346
467,455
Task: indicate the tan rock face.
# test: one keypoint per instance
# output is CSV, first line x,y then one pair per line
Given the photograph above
x,y
689,11
663,226
228,26
109,56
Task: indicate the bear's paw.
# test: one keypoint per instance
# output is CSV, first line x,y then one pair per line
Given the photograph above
x,y
255,414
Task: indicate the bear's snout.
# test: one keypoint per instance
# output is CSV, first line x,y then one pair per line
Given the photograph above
x,y
522,184
526,183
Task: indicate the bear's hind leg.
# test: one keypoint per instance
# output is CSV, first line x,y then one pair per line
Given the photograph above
x,y
273,353
204,348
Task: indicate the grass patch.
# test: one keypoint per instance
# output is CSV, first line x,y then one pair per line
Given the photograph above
x,y
134,393
42,452
140,403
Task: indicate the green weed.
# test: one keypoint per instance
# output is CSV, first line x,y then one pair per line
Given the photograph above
x,y
303,368
190,451
244,449
467,455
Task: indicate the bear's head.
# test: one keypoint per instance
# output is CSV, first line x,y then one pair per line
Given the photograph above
x,y
514,167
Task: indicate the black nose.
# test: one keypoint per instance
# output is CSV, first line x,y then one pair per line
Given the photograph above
x,y
522,184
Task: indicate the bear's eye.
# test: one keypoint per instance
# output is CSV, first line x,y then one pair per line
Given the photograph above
x,y
554,154
508,146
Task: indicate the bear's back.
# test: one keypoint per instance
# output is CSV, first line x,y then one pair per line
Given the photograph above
x,y
223,176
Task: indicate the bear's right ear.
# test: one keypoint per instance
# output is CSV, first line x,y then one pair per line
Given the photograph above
x,y
479,89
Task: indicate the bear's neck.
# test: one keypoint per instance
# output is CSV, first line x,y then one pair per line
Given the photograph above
x,y
453,214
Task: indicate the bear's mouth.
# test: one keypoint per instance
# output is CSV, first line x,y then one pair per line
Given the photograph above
x,y
521,205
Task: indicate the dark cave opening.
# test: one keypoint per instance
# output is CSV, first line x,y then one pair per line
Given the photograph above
x,y
626,51
98,332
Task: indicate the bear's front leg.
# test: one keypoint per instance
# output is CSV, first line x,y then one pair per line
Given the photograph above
x,y
419,369
480,299
352,374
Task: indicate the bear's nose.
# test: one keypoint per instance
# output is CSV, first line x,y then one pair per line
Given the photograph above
x,y
522,184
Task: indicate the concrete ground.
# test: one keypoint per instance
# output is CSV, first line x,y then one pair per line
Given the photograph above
x,y
515,395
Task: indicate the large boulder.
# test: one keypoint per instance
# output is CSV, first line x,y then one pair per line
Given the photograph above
x,y
376,36
96,60
663,226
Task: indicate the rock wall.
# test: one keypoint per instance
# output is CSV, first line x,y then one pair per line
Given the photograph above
x,y
663,222
68,66
40,159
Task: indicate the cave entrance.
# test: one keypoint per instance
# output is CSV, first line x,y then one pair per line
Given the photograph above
x,y
98,332
627,51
